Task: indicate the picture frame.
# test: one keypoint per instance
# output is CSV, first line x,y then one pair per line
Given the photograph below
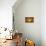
x,y
29,19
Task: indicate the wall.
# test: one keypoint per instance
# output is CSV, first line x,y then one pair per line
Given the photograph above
x,y
6,13
43,22
6,16
30,30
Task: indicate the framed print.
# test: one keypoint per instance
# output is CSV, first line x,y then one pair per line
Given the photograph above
x,y
29,19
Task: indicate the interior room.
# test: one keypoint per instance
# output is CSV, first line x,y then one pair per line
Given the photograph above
x,y
22,22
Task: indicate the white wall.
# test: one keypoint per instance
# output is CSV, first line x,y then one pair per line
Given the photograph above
x,y
30,30
43,22
6,13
